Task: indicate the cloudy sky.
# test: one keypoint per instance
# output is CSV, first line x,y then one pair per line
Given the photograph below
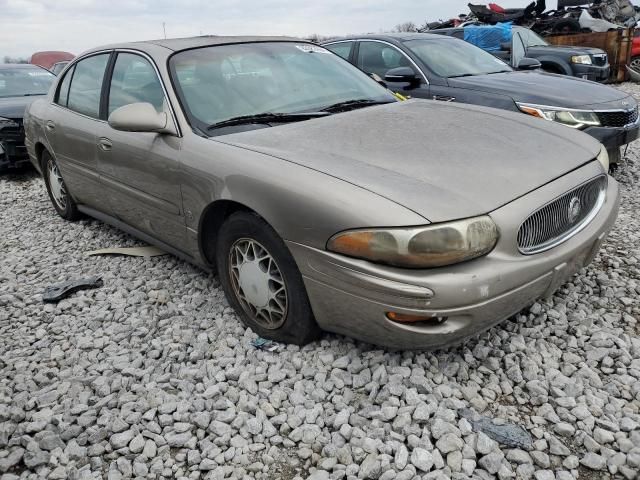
x,y
27,26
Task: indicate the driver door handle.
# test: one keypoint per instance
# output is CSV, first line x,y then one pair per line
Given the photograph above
x,y
105,144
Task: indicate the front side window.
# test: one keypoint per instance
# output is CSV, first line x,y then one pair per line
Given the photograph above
x,y
455,58
530,38
134,80
379,58
342,49
86,85
222,82
24,81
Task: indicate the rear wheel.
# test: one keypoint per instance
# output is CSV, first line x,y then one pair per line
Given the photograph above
x,y
262,282
635,64
58,193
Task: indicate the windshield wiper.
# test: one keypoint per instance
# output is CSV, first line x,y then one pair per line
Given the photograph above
x,y
462,75
353,104
267,117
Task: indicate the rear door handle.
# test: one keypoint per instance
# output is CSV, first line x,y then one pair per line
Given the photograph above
x,y
105,144
50,125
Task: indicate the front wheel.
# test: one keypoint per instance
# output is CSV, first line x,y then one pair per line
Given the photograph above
x,y
262,282
58,193
635,64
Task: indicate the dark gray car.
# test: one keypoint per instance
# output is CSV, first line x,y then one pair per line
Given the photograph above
x,y
19,86
321,200
438,67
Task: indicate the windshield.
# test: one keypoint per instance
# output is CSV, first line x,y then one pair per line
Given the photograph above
x,y
530,38
228,81
24,81
455,58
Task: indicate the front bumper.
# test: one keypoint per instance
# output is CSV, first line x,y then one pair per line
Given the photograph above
x,y
13,152
352,297
594,73
615,137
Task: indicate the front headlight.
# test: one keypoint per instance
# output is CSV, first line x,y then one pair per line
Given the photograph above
x,y
570,118
420,247
581,59
603,158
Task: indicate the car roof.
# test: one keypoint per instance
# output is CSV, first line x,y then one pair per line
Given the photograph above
x,y
179,44
391,37
13,66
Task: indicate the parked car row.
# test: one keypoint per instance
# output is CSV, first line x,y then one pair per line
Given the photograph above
x,y
322,200
434,67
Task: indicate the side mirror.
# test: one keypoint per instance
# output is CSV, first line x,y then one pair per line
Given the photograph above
x,y
529,64
377,78
401,74
140,117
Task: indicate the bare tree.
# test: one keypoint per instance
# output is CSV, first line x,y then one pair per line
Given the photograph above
x,y
406,27
8,59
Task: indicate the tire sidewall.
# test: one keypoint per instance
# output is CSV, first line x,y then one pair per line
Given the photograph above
x,y
299,326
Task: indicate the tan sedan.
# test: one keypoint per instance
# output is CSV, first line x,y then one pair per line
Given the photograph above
x,y
322,201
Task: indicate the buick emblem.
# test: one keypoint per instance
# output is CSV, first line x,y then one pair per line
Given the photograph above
x,y
625,104
575,207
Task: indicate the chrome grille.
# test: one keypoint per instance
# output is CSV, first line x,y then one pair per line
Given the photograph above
x,y
562,218
618,118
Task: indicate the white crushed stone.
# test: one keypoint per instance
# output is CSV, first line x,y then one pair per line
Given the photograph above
x,y
152,375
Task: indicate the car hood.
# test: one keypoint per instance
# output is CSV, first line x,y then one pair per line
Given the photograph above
x,y
568,49
543,89
441,160
14,107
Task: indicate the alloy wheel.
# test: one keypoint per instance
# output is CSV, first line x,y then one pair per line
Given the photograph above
x,y
56,183
258,283
635,64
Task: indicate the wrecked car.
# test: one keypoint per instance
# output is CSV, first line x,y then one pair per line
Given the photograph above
x,y
438,67
582,62
321,200
19,86
571,16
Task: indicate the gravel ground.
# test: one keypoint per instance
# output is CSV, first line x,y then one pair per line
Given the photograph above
x,y
152,375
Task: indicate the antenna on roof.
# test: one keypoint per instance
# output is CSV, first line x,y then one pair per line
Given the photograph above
x,y
164,30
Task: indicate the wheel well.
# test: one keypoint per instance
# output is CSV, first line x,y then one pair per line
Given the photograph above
x,y
212,219
39,149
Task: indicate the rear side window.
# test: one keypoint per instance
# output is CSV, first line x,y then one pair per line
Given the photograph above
x,y
63,91
342,49
86,85
134,80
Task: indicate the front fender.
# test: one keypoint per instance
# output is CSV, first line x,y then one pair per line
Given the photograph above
x,y
557,64
303,205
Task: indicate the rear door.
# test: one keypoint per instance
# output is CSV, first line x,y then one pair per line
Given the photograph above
x,y
140,170
378,57
71,127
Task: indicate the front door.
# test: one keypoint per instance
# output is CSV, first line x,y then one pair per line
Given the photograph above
x,y
141,172
380,57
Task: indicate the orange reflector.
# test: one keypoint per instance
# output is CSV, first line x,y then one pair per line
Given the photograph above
x,y
402,318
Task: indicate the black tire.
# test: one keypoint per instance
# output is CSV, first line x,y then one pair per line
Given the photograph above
x,y
297,325
68,208
615,155
567,25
